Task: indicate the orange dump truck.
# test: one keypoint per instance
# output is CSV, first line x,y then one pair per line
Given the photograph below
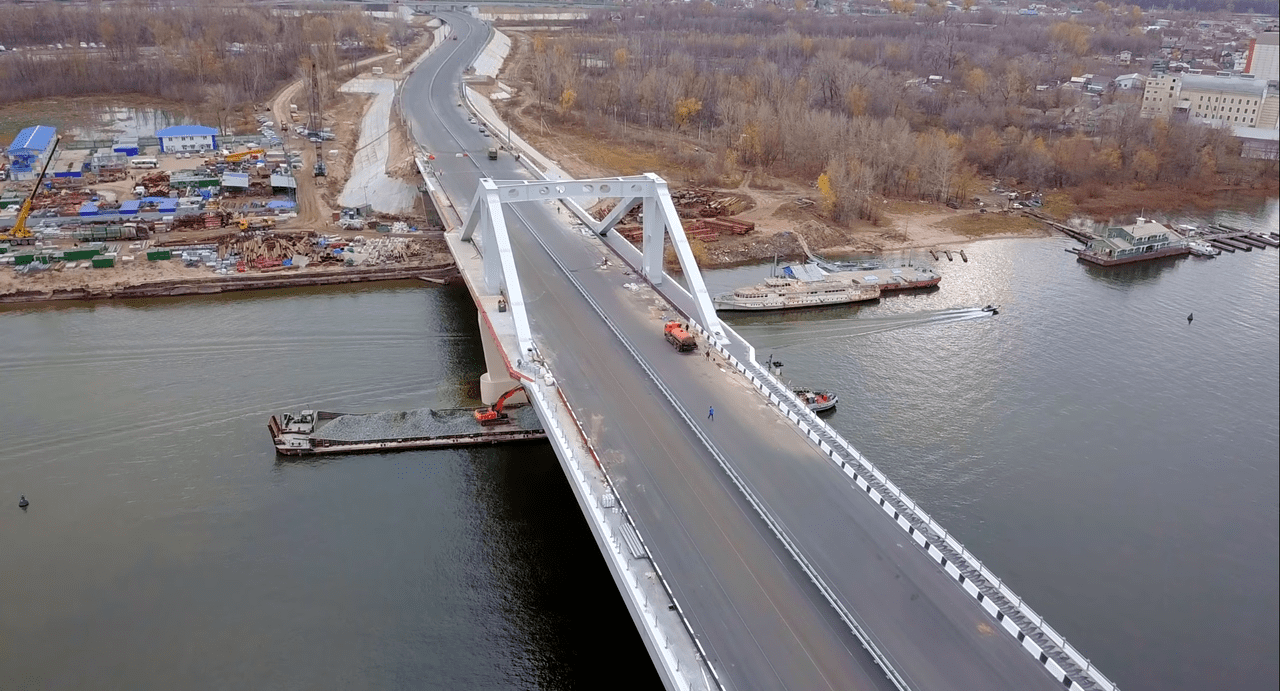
x,y
679,339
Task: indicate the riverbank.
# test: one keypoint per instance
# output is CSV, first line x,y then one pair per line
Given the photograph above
x,y
202,283
588,146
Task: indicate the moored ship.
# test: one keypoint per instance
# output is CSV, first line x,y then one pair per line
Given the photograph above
x,y
890,279
813,285
793,293
817,401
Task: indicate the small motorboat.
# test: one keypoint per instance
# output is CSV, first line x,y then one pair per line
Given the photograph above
x,y
817,401
22,501
993,309
1201,248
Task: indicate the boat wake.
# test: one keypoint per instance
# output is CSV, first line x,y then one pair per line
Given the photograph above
x,y
772,336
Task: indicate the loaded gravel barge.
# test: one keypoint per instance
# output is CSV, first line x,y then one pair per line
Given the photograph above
x,y
313,432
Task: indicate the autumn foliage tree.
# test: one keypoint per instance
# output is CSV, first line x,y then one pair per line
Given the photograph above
x,y
870,106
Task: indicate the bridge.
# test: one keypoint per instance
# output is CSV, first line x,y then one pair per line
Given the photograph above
x,y
757,549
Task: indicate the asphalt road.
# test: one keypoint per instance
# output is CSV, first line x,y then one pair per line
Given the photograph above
x,y
762,622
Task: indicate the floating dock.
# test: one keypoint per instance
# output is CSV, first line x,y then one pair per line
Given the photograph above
x,y
313,432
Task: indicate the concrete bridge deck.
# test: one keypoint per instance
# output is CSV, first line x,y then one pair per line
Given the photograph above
x,y
768,547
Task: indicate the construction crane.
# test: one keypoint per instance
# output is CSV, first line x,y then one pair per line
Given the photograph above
x,y
315,116
237,157
493,415
19,234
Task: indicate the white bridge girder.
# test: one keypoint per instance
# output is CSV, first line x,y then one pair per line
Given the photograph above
x,y
660,222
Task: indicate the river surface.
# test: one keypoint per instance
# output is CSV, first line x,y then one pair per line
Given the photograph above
x,y
1116,465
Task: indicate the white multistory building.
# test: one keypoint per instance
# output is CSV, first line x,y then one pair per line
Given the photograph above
x,y
1217,99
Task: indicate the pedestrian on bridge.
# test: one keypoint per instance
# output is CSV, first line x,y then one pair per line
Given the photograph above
x,y
711,412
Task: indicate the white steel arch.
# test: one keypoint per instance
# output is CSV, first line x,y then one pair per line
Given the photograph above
x,y
660,222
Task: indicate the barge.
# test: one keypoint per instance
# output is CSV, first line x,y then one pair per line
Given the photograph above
x,y
313,432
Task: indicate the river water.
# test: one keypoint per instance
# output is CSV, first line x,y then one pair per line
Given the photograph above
x,y
1116,465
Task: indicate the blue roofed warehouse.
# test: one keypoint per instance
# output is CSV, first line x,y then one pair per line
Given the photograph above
x,y
29,150
187,138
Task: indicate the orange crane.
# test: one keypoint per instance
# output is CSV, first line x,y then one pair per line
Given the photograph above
x,y
493,415
19,233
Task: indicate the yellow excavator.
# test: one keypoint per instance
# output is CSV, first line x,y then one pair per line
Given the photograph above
x,y
19,234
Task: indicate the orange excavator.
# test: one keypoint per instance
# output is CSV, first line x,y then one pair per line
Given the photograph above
x,y
493,415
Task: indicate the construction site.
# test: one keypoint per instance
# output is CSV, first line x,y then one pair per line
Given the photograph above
x,y
308,197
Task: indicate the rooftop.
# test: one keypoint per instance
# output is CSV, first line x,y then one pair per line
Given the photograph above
x,y
32,139
1239,85
187,131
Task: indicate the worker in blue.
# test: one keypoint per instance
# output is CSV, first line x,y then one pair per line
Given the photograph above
x,y
711,412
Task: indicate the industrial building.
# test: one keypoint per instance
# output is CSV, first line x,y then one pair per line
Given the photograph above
x,y
187,138
1219,99
1264,56
29,151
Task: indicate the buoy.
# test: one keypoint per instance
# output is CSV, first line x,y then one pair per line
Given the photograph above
x,y
1190,317
22,501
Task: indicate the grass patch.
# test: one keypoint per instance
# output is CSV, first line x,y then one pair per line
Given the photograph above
x,y
620,157
1059,204
979,225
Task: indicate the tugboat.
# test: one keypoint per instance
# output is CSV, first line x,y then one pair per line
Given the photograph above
x,y
818,401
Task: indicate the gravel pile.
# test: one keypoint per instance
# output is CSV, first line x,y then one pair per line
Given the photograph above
x,y
419,423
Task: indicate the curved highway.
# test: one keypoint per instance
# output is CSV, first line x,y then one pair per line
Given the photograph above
x,y
762,622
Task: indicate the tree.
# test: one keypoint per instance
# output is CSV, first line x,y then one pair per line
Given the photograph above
x,y
856,100
1070,37
984,147
567,98
827,192
686,110
1145,165
976,82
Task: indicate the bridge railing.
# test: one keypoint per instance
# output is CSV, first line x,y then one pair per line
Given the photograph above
x,y
1014,615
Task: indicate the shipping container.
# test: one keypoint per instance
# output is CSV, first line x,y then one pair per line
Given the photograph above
x,y
104,262
158,255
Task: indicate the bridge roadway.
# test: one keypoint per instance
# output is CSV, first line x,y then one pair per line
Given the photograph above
x,y
759,617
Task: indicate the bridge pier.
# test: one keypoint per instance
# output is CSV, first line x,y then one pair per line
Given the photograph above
x,y
497,380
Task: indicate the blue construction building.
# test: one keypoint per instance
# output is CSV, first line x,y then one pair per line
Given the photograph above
x,y
29,151
187,138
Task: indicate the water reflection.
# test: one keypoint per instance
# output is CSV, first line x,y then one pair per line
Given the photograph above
x,y
126,121
1133,274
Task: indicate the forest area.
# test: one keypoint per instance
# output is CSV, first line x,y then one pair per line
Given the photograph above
x,y
221,54
869,108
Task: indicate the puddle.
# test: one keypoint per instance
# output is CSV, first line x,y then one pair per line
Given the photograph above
x,y
92,121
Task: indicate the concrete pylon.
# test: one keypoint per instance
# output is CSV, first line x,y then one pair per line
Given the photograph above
x,y
497,380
